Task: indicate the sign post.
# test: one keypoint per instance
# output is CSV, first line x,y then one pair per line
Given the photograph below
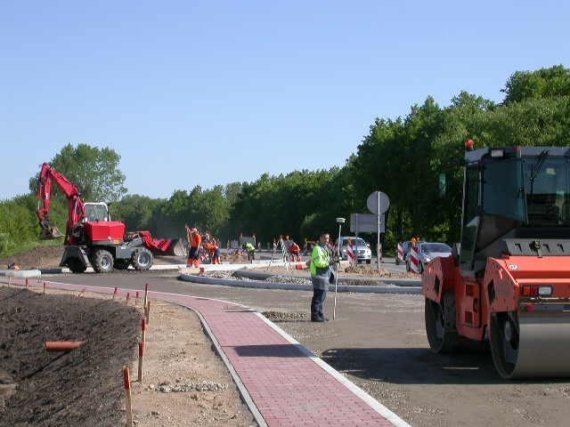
x,y
378,203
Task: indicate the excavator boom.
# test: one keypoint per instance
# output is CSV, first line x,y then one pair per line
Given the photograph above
x,y
76,206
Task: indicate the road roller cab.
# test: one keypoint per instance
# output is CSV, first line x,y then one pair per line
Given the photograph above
x,y
510,281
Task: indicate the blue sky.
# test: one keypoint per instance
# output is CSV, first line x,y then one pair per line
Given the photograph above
x,y
211,92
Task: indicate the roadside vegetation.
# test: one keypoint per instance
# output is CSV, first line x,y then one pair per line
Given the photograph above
x,y
415,159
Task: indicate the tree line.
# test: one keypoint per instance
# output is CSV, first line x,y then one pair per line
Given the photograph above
x,y
415,159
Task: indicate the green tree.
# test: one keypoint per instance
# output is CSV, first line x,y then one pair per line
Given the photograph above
x,y
94,171
18,224
550,82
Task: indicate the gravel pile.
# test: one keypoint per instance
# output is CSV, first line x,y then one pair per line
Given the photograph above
x,y
288,279
282,316
203,386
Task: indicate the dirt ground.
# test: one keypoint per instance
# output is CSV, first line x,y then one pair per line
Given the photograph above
x,y
184,382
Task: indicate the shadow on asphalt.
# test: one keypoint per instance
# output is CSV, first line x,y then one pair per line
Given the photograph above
x,y
414,365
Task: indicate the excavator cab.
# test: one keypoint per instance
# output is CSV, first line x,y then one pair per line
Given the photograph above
x,y
96,211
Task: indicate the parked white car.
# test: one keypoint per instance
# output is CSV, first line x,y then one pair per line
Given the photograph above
x,y
359,246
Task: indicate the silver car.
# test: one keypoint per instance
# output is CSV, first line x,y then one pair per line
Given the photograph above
x,y
360,248
428,251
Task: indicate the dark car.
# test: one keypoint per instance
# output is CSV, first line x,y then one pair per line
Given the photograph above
x,y
428,251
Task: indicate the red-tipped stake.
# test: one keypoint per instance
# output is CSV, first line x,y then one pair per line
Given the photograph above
x,y
129,408
141,357
115,293
137,299
26,283
81,293
44,288
128,297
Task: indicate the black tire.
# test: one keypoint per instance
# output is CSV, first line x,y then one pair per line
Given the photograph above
x,y
408,268
440,324
397,261
122,264
142,259
368,261
421,267
76,265
102,261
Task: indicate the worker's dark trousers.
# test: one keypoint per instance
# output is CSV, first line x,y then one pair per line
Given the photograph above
x,y
317,304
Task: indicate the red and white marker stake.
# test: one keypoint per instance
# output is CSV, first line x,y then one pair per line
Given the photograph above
x,y
128,297
115,293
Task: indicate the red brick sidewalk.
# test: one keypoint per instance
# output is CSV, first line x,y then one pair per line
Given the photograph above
x,y
280,380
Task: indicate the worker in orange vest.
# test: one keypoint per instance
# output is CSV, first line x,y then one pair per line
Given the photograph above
x,y
194,240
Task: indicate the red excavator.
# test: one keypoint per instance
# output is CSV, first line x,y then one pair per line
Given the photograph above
x,y
509,281
90,235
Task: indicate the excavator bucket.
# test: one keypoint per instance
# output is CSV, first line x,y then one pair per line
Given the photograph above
x,y
50,232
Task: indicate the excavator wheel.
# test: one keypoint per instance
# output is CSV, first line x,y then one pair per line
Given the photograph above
x,y
76,265
440,324
142,259
102,261
122,264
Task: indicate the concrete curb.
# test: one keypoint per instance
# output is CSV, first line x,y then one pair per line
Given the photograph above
x,y
20,274
345,281
386,289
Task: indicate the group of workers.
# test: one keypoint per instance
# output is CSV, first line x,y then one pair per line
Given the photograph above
x,y
201,247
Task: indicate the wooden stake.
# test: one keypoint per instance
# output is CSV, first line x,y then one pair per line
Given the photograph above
x,y
129,408
137,299
44,288
145,295
143,328
115,293
128,296
141,357
148,313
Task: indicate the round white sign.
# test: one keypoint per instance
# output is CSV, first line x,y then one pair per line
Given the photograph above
x,y
374,198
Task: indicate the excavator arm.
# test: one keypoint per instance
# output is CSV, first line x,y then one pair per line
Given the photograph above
x,y
76,206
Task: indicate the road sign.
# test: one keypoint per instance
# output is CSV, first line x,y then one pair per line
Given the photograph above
x,y
378,199
366,223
